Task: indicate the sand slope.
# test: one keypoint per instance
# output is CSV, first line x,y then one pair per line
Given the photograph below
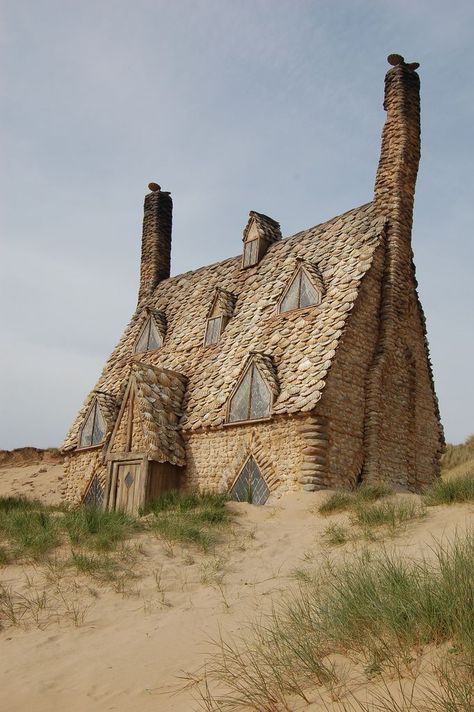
x,y
134,646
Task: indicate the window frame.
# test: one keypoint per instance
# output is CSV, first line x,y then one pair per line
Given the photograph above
x,y
95,406
251,456
296,274
247,245
234,392
148,322
220,317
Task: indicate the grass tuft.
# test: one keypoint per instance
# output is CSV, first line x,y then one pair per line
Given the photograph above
x,y
390,513
98,529
451,491
336,502
28,531
189,517
336,535
374,609
341,501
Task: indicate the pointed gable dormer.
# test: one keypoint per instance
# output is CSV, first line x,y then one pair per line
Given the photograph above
x,y
260,232
218,315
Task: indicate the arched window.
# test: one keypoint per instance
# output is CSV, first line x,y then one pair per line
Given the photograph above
x,y
252,398
300,293
94,428
250,485
149,338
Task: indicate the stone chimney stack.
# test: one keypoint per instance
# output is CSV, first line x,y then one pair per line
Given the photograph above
x,y
400,154
156,241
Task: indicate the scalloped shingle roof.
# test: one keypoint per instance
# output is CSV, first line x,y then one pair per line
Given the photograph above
x,y
301,343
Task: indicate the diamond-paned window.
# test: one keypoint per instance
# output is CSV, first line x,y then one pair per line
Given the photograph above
x,y
252,399
129,479
301,293
94,497
250,485
213,330
94,428
149,337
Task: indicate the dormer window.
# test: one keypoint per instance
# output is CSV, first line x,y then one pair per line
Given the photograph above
x,y
301,292
94,428
218,316
260,232
251,253
252,398
151,334
214,329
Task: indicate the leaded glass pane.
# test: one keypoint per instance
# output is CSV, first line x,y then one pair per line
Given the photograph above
x,y
258,487
250,253
99,427
241,489
94,496
154,338
260,396
239,404
308,294
87,429
250,485
213,331
142,341
291,299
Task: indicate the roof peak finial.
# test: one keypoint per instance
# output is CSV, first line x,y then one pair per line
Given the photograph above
x,y
154,187
396,59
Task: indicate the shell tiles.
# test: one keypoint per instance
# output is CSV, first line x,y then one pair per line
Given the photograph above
x,y
301,344
159,394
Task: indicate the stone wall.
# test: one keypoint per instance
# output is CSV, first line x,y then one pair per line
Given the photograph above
x,y
215,457
79,466
407,435
343,401
403,435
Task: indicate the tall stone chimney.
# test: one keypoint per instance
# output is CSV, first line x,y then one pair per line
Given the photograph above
x,y
400,154
156,241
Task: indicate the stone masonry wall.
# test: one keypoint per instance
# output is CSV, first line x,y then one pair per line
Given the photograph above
x,y
403,434
215,457
343,401
409,434
79,467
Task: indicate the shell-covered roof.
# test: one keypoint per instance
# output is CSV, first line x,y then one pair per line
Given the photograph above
x,y
266,227
223,303
159,396
301,343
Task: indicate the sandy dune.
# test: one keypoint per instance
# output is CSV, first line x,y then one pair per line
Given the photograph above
x,y
133,647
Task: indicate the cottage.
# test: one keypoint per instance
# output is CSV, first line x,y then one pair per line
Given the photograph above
x,y
302,363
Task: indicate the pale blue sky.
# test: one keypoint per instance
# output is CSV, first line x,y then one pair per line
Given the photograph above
x,y
268,105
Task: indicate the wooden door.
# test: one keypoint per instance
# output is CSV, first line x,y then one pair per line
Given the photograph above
x,y
130,487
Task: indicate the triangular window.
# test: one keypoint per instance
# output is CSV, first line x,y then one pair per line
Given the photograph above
x,y
94,428
149,337
250,485
252,399
94,497
301,293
